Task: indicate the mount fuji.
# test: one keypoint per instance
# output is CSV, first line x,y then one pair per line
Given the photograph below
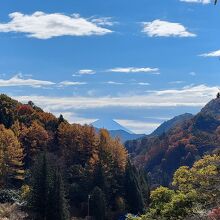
x,y
116,130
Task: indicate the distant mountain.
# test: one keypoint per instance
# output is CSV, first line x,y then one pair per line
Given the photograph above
x,y
116,130
109,124
167,125
182,145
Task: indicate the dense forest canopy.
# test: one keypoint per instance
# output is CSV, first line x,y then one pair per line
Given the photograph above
x,y
48,164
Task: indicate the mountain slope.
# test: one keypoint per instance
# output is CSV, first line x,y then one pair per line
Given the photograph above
x,y
109,124
182,145
167,125
116,130
125,136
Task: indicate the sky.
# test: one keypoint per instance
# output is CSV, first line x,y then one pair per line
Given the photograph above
x,y
139,62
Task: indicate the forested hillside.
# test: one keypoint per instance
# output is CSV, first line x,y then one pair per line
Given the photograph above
x,y
168,125
56,170
182,145
193,194
51,169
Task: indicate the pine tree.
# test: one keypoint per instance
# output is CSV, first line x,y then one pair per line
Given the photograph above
x,y
40,184
145,189
60,207
48,194
99,177
98,205
61,119
133,191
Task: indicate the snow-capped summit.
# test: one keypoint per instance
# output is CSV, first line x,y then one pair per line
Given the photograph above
x,y
110,125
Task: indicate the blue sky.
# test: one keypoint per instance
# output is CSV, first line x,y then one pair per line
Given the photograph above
x,y
139,62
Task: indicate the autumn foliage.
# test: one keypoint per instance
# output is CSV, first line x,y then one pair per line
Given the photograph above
x,y
88,162
182,145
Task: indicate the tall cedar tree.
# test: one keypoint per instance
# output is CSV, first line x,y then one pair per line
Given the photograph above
x,y
47,194
145,188
60,208
99,177
40,185
98,206
133,190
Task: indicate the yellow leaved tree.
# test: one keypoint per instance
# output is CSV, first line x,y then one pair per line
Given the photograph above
x,y
11,158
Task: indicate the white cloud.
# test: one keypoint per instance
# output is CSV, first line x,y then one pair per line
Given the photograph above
x,y
139,126
45,26
74,118
18,80
143,84
104,21
211,54
134,70
159,28
86,72
197,1
191,96
114,83
71,83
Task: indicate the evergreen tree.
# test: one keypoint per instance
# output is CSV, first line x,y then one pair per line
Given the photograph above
x,y
133,190
47,190
145,189
98,205
61,119
99,177
60,207
41,184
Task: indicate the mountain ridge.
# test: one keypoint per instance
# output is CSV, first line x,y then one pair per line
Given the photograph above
x,y
116,130
180,146
169,124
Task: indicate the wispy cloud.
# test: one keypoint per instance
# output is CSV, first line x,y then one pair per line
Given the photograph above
x,y
18,80
86,72
197,1
138,126
104,21
71,83
143,84
211,54
191,96
134,70
159,28
73,117
45,26
114,83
